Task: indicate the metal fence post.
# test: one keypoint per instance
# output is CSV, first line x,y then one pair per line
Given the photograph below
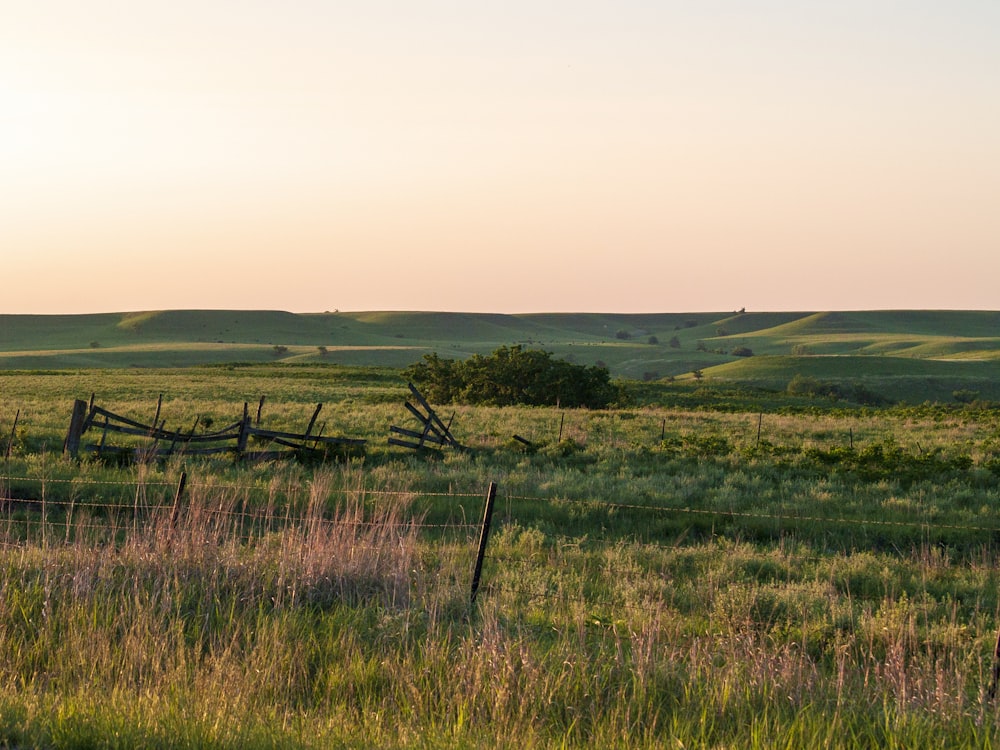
x,y
484,536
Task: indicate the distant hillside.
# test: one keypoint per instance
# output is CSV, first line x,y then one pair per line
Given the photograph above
x,y
892,350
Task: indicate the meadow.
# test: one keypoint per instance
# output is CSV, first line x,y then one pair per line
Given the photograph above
x,y
704,566
910,356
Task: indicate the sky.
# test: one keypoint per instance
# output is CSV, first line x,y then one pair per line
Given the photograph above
x,y
524,156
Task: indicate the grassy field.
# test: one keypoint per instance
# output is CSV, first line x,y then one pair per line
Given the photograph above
x,y
713,565
908,356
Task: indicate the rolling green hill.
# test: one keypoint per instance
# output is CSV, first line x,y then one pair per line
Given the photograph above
x,y
909,355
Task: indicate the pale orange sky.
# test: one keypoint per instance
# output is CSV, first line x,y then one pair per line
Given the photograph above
x,y
628,156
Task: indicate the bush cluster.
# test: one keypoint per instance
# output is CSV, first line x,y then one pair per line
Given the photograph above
x,y
805,385
513,375
887,460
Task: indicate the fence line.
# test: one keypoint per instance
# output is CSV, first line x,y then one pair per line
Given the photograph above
x,y
924,525
59,522
760,516
234,487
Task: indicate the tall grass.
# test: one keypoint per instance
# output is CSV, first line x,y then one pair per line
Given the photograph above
x,y
208,619
658,578
334,623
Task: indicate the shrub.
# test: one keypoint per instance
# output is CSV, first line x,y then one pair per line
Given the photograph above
x,y
965,396
675,343
806,385
621,333
741,351
863,395
653,340
513,375
279,350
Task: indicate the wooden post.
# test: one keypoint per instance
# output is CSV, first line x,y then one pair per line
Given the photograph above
x,y
852,438
156,417
322,429
104,436
260,408
663,429
562,420
760,422
312,421
13,435
176,510
241,441
484,536
72,444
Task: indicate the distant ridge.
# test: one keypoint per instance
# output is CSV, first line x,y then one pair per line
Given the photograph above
x,y
641,346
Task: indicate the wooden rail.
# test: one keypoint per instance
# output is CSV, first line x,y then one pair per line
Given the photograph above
x,y
434,431
234,438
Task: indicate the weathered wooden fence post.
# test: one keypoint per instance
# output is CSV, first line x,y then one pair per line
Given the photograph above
x,y
176,510
312,422
13,435
156,417
72,444
484,536
244,436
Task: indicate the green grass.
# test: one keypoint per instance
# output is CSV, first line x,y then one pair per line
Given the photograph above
x,y
901,355
666,575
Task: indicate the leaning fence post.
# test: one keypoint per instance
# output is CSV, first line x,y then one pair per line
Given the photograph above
x,y
13,435
72,444
176,510
484,536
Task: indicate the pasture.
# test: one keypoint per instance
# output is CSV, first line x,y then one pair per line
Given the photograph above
x,y
910,356
777,571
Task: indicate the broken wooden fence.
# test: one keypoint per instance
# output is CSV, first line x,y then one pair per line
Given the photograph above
x,y
434,432
234,438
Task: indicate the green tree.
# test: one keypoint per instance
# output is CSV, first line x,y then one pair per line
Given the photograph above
x,y
513,375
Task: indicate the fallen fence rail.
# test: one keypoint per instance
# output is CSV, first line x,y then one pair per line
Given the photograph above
x,y
234,438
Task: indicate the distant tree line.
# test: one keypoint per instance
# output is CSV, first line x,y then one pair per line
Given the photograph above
x,y
513,375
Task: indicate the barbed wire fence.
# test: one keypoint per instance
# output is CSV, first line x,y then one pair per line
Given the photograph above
x,y
36,509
